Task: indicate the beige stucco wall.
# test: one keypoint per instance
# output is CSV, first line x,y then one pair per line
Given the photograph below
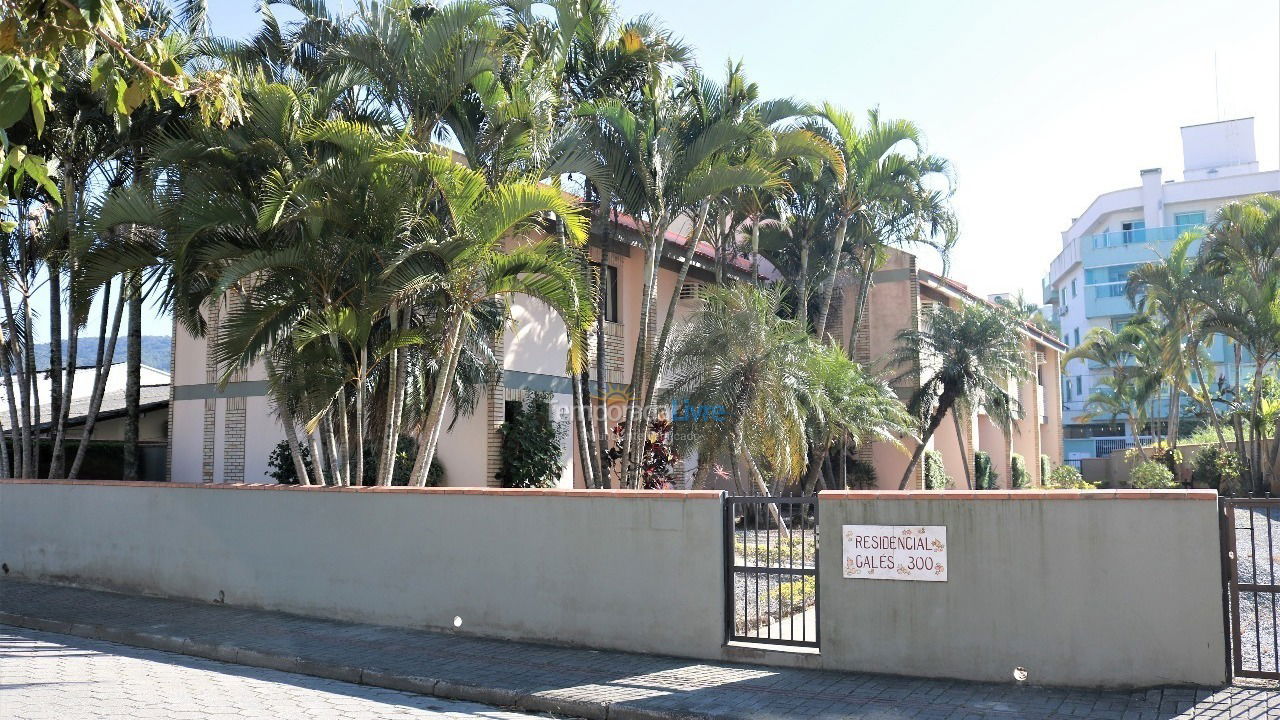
x,y
638,571
1083,592
1086,589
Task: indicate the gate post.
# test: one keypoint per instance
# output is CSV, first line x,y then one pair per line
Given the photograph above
x,y
1226,527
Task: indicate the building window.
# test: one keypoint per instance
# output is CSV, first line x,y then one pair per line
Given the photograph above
x,y
1079,384
609,305
1188,218
1108,274
1134,231
1073,287
1076,334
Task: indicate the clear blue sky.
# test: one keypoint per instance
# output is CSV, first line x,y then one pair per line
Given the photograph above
x,y
1040,106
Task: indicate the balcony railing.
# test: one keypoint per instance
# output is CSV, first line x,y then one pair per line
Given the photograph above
x,y
1141,236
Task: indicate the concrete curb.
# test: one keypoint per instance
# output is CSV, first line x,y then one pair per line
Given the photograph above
x,y
527,700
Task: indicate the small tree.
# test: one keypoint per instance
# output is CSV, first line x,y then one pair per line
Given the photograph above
x,y
1066,477
984,475
935,473
1151,475
1218,468
1045,466
531,454
1018,476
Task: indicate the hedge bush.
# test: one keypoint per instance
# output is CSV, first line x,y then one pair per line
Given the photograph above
x,y
984,475
280,464
1151,475
1018,475
531,445
1046,466
1218,468
1066,477
935,473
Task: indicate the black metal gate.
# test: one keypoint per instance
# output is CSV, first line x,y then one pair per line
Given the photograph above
x,y
1251,543
771,570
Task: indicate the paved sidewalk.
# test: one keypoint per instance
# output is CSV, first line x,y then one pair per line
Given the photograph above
x,y
44,676
571,681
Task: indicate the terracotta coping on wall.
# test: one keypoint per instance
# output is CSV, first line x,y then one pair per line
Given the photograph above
x,y
514,492
1018,495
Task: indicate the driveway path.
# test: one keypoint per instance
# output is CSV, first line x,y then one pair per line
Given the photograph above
x,y
59,677
572,681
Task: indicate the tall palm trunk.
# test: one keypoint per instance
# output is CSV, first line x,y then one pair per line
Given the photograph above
x,y
318,457
860,305
54,269
660,352
295,448
600,408
964,452
102,369
945,403
11,369
813,470
583,432
359,420
395,383
1175,416
440,393
755,251
829,286
633,437
133,378
29,354
331,444
802,286
1204,391
757,479
600,413
68,390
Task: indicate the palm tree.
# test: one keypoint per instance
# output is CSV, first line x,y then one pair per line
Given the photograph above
x,y
1241,263
776,385
881,197
668,161
1028,312
1170,288
965,358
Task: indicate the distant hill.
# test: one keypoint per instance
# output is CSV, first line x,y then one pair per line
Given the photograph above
x,y
155,352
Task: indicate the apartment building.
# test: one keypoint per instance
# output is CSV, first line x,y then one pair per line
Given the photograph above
x,y
1125,228
901,297
225,434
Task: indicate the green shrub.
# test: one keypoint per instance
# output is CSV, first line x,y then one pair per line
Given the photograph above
x,y
798,593
1151,475
1018,476
1045,467
935,473
531,445
1218,468
860,474
1066,477
984,475
280,464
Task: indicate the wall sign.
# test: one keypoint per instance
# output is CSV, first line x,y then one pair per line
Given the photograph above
x,y
896,552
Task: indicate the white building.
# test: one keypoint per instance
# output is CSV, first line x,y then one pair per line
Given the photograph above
x,y
1124,228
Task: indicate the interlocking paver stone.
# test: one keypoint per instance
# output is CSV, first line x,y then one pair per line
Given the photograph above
x,y
45,675
590,682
